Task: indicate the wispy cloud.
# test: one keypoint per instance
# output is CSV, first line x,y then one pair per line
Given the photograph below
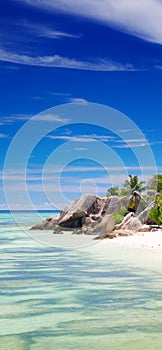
x,y
141,18
9,119
60,94
51,118
8,67
51,173
126,130
25,117
3,136
135,145
158,66
78,100
82,138
63,62
46,32
131,143
80,149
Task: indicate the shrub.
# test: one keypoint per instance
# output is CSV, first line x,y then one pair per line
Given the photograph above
x,y
113,191
155,214
123,210
118,218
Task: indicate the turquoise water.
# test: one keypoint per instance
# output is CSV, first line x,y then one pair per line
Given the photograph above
x,y
61,299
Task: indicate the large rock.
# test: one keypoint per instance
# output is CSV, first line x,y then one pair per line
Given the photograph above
x,y
88,210
47,224
143,216
130,222
105,226
122,233
144,228
113,204
74,215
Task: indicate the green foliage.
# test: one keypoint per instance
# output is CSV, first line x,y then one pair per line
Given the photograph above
x,y
143,204
159,182
155,213
124,192
133,184
113,191
154,184
123,210
118,218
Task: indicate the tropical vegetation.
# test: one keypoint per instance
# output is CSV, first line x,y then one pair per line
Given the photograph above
x,y
133,187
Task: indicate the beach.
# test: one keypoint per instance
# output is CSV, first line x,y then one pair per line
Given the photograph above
x,y
143,240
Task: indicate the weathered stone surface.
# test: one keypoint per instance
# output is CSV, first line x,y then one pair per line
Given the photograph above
x,y
113,204
124,232
88,221
130,222
88,210
57,230
143,216
105,226
47,224
74,215
144,228
77,232
110,235
89,230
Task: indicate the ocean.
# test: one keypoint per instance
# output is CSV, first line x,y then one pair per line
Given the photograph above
x,y
63,295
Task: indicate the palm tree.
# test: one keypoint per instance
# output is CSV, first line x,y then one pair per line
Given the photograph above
x,y
134,185
135,188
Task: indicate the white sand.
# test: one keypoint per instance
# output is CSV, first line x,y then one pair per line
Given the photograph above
x,y
151,240
142,250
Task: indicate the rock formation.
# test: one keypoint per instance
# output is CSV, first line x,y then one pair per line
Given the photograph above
x,y
91,215
88,210
130,222
143,216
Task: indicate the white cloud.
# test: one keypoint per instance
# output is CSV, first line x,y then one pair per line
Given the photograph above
x,y
141,18
3,136
157,66
132,140
52,173
82,138
70,138
15,117
126,130
63,62
51,118
42,31
81,101
60,94
25,117
132,145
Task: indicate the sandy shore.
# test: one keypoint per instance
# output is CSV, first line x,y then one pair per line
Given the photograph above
x,y
142,250
151,240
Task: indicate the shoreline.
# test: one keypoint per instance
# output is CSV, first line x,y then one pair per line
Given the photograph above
x,y
142,250
149,240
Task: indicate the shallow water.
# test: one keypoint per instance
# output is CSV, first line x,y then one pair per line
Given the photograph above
x,y
54,298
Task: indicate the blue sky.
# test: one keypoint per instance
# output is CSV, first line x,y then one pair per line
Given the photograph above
x,y
58,52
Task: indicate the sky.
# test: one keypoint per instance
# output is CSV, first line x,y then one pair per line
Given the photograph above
x,y
101,63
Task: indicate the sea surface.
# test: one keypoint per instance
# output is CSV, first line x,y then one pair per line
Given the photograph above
x,y
59,296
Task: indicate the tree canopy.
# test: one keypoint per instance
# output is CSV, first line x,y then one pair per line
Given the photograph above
x,y
133,184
